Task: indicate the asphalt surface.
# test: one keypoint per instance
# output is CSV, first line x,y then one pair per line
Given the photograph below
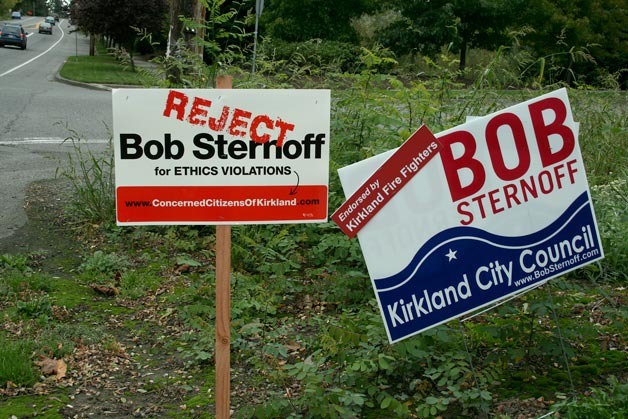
x,y
32,146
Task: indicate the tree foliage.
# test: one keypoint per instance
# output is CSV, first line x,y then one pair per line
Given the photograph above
x,y
57,6
426,26
120,20
7,5
595,26
302,20
37,7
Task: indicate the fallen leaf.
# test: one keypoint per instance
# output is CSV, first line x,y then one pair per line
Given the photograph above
x,y
47,365
184,268
62,369
56,367
105,290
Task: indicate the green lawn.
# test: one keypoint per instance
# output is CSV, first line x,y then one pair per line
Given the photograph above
x,y
103,69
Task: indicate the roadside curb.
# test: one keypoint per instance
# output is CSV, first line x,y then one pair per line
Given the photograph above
x,y
92,86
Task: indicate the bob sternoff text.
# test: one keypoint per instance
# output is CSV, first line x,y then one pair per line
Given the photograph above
x,y
537,263
206,146
518,186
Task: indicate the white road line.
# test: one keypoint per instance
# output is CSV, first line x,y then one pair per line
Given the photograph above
x,y
50,140
34,58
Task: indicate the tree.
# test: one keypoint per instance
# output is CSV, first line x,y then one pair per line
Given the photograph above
x,y
37,7
426,26
7,5
120,20
128,17
567,32
57,6
301,20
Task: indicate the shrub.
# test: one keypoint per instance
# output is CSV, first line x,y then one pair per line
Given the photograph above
x,y
312,56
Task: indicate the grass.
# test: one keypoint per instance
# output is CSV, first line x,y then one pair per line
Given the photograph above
x,y
102,69
32,406
16,365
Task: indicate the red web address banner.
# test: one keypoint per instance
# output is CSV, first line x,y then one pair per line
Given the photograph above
x,y
220,204
389,179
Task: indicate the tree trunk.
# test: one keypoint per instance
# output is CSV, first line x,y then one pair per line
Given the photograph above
x,y
173,72
463,55
199,17
92,45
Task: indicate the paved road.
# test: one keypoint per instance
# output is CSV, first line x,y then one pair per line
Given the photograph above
x,y
38,112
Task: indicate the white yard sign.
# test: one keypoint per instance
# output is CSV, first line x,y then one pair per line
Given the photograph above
x,y
502,207
212,156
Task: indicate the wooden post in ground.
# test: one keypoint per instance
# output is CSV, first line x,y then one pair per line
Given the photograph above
x,y
223,306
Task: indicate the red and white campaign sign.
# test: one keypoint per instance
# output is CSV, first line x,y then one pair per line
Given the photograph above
x,y
221,156
502,207
386,182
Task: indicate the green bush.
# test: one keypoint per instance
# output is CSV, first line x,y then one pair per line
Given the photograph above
x,y
312,56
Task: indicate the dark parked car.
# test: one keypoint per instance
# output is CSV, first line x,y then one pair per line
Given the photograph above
x,y
45,27
13,35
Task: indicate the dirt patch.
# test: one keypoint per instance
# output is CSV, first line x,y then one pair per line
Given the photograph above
x,y
127,371
47,232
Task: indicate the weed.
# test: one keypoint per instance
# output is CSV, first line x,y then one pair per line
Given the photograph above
x,y
14,262
103,264
15,282
16,365
59,339
38,307
91,176
611,203
112,345
135,284
609,402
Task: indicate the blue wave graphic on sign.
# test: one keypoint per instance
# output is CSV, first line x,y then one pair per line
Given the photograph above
x,y
464,268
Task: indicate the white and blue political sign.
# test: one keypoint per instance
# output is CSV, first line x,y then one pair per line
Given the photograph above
x,y
504,206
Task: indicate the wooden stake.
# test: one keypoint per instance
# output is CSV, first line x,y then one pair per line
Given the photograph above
x,y
223,320
223,306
